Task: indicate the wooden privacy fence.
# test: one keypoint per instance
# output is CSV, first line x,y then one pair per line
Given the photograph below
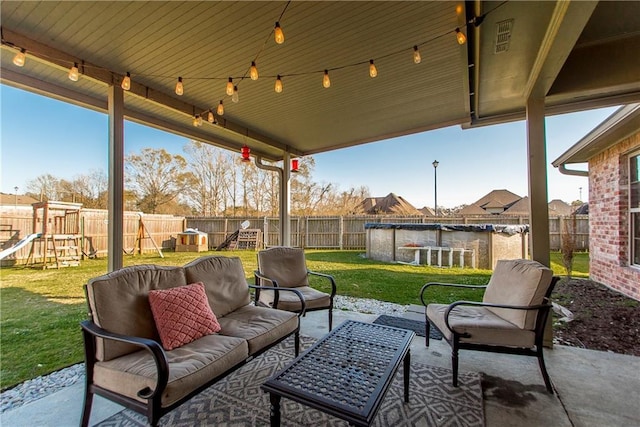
x,y
313,232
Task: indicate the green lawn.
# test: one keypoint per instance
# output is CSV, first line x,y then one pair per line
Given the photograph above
x,y
40,309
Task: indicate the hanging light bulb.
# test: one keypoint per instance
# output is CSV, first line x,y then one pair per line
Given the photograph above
x,y
74,74
294,165
246,151
278,87
460,36
199,120
254,71
230,87
278,34
235,97
326,81
126,82
220,110
373,71
179,87
416,55
195,120
20,58
210,117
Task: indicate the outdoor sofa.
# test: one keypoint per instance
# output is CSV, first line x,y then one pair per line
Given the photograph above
x,y
138,351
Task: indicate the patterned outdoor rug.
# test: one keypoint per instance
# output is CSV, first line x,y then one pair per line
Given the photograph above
x,y
238,400
413,325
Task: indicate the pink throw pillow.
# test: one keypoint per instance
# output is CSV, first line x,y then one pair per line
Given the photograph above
x,y
182,314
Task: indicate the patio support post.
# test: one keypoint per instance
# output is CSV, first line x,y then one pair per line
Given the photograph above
x,y
116,177
537,166
284,195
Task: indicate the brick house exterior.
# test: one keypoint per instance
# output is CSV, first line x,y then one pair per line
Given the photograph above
x,y
612,151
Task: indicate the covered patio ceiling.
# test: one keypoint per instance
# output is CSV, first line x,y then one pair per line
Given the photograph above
x,y
578,55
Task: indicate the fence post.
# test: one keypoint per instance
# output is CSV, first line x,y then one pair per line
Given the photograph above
x,y
341,234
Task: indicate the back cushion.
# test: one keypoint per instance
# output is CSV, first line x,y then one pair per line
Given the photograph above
x,y
287,266
224,282
119,303
518,282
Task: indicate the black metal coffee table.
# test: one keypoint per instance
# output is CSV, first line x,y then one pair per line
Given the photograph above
x,y
346,373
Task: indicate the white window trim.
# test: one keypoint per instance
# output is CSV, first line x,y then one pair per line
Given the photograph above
x,y
632,212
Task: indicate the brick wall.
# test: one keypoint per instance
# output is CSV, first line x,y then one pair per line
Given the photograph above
x,y
609,219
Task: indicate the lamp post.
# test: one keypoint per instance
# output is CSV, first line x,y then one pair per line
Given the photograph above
x,y
15,202
435,186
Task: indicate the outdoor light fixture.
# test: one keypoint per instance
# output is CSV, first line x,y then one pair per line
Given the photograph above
x,y
294,165
229,90
210,117
246,151
460,36
416,55
126,82
236,96
220,110
254,71
373,71
20,58
278,34
435,186
74,74
179,87
326,81
278,87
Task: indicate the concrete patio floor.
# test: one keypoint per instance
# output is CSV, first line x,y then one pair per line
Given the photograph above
x,y
593,388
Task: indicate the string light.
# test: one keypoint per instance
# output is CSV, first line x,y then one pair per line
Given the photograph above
x,y
326,81
278,34
126,82
179,87
373,71
254,71
230,87
20,58
74,74
416,55
210,117
220,110
460,36
197,120
278,87
236,96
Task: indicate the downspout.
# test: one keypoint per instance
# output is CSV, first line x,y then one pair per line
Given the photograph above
x,y
563,170
283,184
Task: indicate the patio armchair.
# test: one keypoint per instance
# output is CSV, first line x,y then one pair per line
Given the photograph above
x,y
510,319
284,267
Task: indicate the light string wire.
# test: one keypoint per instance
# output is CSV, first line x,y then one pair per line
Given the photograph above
x,y
82,65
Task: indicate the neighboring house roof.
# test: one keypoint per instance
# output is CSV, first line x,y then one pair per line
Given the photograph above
x,y
559,207
390,204
521,207
10,199
582,210
427,211
472,210
619,125
498,198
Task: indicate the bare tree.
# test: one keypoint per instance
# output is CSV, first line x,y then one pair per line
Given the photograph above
x,y
44,187
210,166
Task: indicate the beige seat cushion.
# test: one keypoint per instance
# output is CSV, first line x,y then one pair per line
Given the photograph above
x,y
518,282
260,326
287,266
289,301
484,326
190,366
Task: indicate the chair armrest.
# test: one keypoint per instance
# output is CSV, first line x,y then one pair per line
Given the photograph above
x,y
450,285
153,347
326,276
488,304
277,289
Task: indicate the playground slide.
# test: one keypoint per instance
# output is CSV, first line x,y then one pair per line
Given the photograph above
x,y
19,245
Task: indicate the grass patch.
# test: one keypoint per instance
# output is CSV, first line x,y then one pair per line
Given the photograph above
x,y
40,309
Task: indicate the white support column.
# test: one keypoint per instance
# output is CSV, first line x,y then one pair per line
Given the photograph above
x,y
537,165
285,198
116,177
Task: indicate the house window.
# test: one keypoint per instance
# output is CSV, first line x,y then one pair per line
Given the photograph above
x,y
634,206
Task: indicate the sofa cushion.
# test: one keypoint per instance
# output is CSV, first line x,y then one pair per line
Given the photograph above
x,y
483,325
224,282
518,282
290,302
119,303
182,314
260,326
287,266
190,367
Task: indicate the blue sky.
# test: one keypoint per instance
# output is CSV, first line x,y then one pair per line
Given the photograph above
x,y
40,135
